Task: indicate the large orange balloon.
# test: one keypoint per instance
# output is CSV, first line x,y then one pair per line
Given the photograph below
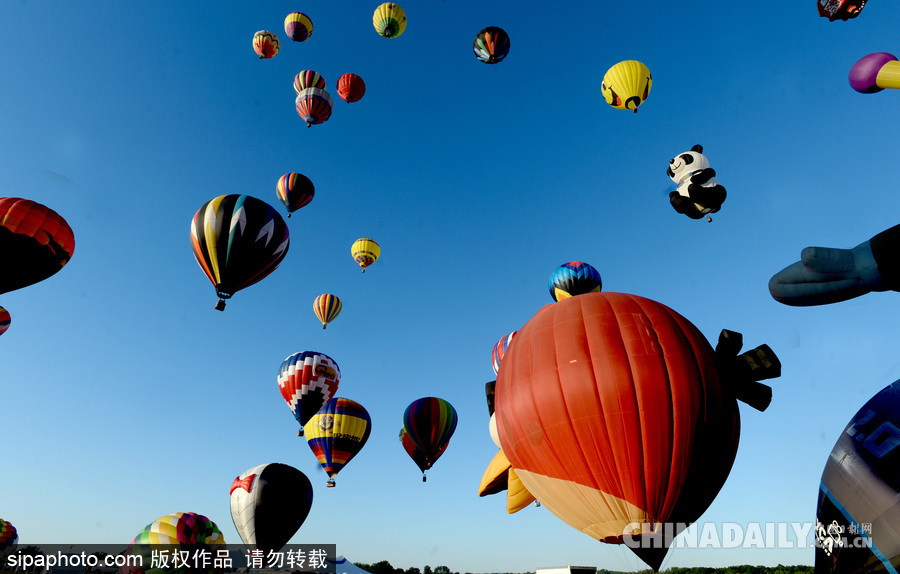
x,y
35,243
611,411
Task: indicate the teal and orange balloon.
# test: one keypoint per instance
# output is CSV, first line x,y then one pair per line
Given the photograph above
x,y
327,307
298,26
430,423
35,243
238,240
265,44
294,190
337,433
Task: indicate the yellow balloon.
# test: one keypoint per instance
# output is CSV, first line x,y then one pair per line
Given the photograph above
x,y
626,85
365,251
389,20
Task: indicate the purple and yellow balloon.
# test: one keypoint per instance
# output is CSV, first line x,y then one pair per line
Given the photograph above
x,y
875,72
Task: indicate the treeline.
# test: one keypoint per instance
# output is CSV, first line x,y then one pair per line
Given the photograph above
x,y
384,567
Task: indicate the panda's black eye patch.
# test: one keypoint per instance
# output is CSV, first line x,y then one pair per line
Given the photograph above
x,y
687,159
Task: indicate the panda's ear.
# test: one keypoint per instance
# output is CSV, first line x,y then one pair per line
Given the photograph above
x,y
697,148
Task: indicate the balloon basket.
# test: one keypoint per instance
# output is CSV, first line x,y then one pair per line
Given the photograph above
x,y
220,306
330,483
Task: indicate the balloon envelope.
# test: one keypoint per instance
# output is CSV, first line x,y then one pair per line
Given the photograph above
x,y
265,44
35,243
294,190
298,26
351,88
337,433
327,307
8,538
269,503
573,278
610,409
238,240
308,79
389,20
626,85
314,105
491,45
858,511
499,350
430,422
4,320
307,381
365,252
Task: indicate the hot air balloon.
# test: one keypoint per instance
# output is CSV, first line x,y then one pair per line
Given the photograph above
x,y
265,44
827,275
875,72
327,307
298,26
8,538
314,105
307,381
414,452
238,240
4,320
269,503
618,416
430,422
181,531
389,20
337,433
500,350
35,243
491,45
858,511
365,251
840,9
308,79
626,85
574,278
295,190
351,88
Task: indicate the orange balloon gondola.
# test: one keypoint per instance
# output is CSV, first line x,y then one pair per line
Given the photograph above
x,y
35,243
314,106
351,88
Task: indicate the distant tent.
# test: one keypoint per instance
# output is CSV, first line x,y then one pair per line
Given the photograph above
x,y
344,566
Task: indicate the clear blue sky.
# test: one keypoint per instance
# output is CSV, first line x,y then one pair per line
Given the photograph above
x,y
126,396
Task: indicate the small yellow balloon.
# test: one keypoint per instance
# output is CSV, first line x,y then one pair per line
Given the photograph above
x,y
365,251
389,20
626,85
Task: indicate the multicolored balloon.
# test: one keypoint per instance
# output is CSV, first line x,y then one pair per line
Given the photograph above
x,y
294,190
414,452
365,252
351,88
430,422
337,433
35,243
389,20
181,529
573,407
238,240
500,350
314,105
308,79
298,26
269,503
5,320
491,45
875,72
861,485
307,381
574,278
626,85
327,307
8,538
265,44
840,9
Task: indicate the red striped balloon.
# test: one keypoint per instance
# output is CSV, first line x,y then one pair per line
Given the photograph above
x,y
314,105
351,88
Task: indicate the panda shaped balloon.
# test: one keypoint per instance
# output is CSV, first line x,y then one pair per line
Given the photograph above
x,y
699,192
